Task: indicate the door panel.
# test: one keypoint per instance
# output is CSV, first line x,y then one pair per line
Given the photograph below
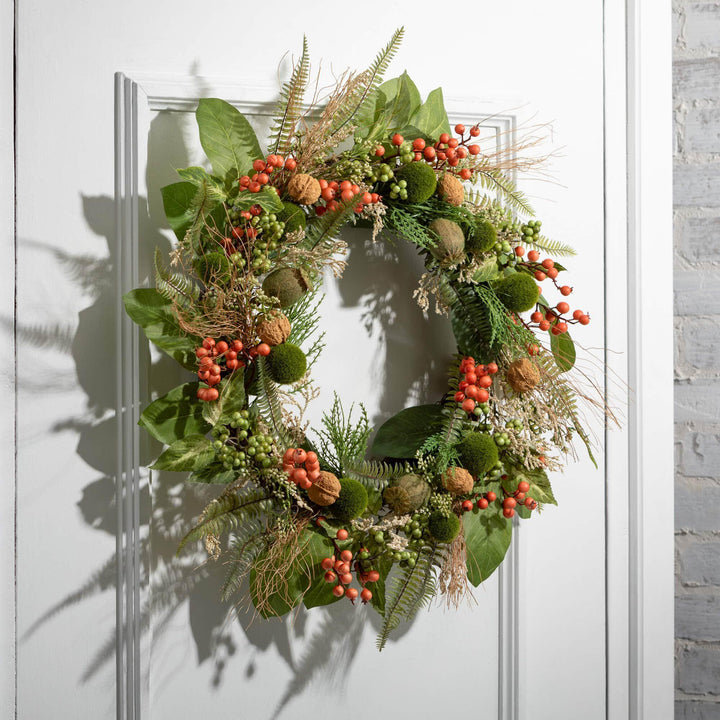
x,y
549,661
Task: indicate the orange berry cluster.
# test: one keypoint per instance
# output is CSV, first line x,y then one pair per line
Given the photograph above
x,y
294,459
212,353
345,191
339,571
475,383
509,503
263,170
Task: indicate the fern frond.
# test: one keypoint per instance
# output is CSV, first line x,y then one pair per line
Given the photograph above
x,y
408,227
289,107
373,473
270,405
226,513
552,247
325,230
206,199
495,179
414,588
246,544
175,287
374,74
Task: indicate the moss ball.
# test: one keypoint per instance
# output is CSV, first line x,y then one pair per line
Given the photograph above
x,y
304,189
293,217
286,284
352,500
421,181
450,189
274,329
518,292
212,266
483,236
457,481
443,528
451,241
478,453
325,490
286,363
523,375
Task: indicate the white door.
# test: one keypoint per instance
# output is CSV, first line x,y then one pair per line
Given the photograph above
x,y
556,634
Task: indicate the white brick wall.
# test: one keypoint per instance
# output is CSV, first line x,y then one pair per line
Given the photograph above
x,y
697,357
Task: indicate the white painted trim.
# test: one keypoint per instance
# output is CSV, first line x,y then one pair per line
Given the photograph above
x,y
8,645
181,93
640,521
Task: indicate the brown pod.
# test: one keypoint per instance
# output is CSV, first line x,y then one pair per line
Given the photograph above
x,y
457,481
274,330
450,189
304,189
325,490
523,375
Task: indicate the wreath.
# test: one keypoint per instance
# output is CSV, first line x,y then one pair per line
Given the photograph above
x,y
311,516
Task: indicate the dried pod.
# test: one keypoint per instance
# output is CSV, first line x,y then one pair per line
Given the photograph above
x,y
450,248
325,490
457,481
304,189
274,330
287,284
450,189
398,499
523,375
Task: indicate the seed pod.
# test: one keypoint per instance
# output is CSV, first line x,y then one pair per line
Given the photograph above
x,y
450,189
457,481
325,490
273,330
287,284
304,189
451,241
523,375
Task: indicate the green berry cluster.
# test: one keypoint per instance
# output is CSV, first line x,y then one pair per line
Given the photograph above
x,y
382,173
502,439
481,409
238,445
531,230
515,424
407,154
399,190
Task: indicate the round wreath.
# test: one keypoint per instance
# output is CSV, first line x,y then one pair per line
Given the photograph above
x,y
308,518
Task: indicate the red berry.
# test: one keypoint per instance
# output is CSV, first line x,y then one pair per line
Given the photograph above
x,y
366,595
474,149
263,349
563,307
379,151
346,578
330,576
467,505
492,368
351,593
540,275
508,512
459,129
533,349
259,165
584,320
397,139
523,486
509,502
444,138
459,396
482,503
544,325
519,251
491,496
373,576
338,591
536,317
482,396
565,290
533,255
485,381
342,534
468,405
547,263
474,130
578,314
418,144
346,556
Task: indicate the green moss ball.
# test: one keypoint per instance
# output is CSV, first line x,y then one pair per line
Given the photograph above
x,y
518,292
214,265
286,363
286,284
421,181
352,501
443,528
482,236
293,217
478,453
450,247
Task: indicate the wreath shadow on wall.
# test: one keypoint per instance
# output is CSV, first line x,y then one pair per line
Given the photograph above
x,y
413,366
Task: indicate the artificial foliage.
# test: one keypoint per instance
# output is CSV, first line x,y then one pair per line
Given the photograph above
x,y
309,516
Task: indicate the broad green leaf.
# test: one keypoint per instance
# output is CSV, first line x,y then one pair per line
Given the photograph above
x,y
213,474
226,137
154,314
177,202
487,538
175,415
190,453
396,101
267,199
320,591
383,566
402,435
487,270
199,176
430,118
231,399
563,350
540,488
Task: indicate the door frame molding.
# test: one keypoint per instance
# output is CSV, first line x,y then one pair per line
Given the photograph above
x,y
638,231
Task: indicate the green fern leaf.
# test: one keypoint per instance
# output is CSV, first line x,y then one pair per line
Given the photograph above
x,y
269,404
175,287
